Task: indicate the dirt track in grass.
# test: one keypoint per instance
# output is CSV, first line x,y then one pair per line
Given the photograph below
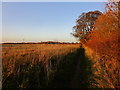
x,y
83,72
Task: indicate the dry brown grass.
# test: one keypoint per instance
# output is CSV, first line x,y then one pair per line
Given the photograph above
x,y
17,59
105,73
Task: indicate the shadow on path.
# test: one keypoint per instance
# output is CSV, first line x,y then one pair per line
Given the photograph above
x,y
73,72
83,71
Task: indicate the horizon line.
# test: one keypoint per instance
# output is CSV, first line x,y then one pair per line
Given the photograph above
x,y
34,41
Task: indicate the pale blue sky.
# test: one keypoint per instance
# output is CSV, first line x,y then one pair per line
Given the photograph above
x,y
43,21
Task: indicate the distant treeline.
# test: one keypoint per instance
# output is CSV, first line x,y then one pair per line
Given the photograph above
x,y
48,42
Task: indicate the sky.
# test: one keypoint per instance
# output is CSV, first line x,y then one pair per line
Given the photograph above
x,y
43,21
56,0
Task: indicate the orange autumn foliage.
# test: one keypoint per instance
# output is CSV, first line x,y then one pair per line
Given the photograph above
x,y
105,42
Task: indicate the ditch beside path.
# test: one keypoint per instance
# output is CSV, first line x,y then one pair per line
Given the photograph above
x,y
83,71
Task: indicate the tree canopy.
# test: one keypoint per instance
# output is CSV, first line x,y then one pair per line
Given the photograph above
x,y
84,23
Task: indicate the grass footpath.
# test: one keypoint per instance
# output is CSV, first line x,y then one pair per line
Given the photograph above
x,y
76,73
83,72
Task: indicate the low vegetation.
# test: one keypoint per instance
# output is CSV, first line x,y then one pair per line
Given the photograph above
x,y
37,65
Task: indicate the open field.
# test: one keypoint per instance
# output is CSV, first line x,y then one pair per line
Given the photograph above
x,y
54,66
35,65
